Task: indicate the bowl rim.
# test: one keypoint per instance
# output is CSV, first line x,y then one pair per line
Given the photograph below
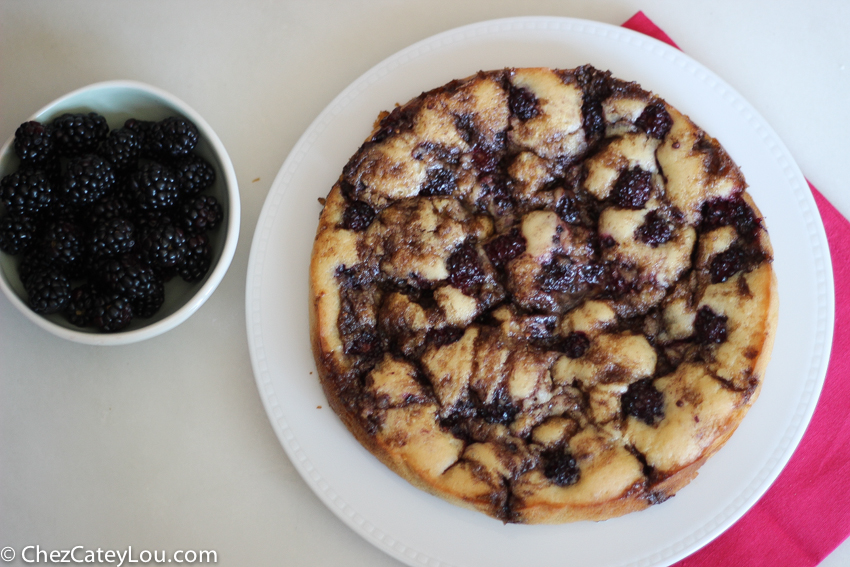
x,y
214,278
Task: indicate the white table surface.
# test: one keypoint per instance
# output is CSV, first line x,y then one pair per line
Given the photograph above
x,y
164,445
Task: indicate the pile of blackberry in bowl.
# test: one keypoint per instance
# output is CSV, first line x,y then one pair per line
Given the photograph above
x,y
119,214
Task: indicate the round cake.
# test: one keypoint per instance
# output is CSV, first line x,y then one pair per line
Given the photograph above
x,y
542,294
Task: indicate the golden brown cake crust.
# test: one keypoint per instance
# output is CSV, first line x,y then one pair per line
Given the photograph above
x,y
542,294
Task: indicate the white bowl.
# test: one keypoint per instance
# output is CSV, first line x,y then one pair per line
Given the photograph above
x,y
118,101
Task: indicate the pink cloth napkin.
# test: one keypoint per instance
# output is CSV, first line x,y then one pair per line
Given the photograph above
x,y
805,515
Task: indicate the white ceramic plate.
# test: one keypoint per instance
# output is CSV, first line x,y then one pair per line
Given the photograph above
x,y
419,529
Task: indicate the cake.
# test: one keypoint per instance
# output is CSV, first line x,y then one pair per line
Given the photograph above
x,y
542,294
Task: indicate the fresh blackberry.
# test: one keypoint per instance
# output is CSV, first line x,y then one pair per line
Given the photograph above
x,y
141,128
127,276
109,207
26,192
111,312
86,179
79,308
49,291
33,261
153,186
62,244
125,190
201,214
34,142
147,306
194,173
111,237
173,136
122,148
163,246
16,234
198,258
76,134
52,169
146,220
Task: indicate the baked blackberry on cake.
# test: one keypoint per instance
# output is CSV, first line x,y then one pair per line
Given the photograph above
x,y
542,294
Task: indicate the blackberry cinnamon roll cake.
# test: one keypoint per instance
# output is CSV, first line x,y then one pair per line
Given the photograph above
x,y
542,294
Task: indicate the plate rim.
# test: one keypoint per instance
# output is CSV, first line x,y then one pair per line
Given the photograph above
x,y
279,188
